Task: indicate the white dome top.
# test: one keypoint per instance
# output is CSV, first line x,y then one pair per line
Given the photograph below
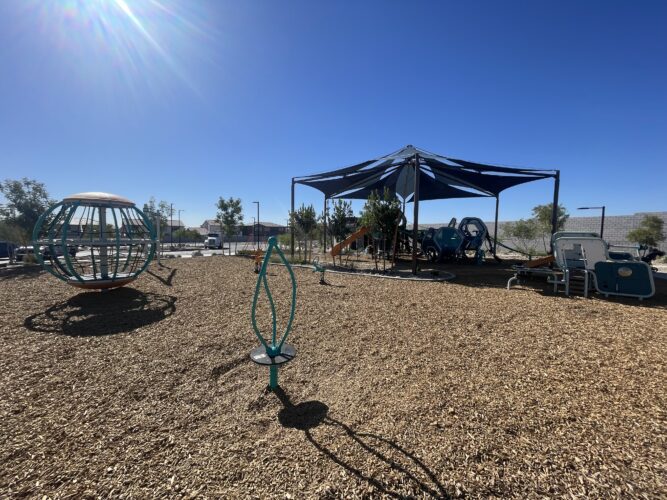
x,y
100,198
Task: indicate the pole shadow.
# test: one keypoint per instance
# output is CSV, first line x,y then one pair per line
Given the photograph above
x,y
331,285
311,414
92,314
165,281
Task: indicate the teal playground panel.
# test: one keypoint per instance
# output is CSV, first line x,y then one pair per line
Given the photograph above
x,y
626,278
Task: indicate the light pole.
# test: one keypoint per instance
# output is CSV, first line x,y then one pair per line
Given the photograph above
x,y
253,229
171,226
179,227
257,223
601,221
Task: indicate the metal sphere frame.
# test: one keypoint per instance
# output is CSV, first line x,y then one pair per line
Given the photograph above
x,y
94,240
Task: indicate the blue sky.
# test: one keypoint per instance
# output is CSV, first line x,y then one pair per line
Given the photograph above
x,y
190,100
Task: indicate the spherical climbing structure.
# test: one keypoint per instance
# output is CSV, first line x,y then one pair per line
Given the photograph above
x,y
94,240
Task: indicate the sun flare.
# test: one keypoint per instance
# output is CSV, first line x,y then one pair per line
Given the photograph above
x,y
139,41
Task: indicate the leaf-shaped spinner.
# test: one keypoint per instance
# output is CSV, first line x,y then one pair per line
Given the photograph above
x,y
272,349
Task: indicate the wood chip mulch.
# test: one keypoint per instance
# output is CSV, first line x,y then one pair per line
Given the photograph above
x,y
399,389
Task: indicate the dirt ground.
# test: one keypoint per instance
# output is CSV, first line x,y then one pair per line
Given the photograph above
x,y
399,388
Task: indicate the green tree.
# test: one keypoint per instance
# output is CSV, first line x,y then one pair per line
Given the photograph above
x,y
155,211
542,218
284,240
187,235
650,231
382,214
340,214
304,221
12,233
229,217
524,233
27,200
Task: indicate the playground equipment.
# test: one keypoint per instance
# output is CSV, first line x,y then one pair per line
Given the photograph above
x,y
276,352
339,247
589,256
583,261
318,268
94,240
442,244
257,260
452,243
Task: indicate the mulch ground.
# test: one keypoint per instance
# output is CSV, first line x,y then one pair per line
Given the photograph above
x,y
399,389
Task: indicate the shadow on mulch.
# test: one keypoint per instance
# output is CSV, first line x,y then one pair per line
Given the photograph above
x,y
102,313
326,283
310,414
22,272
165,281
493,274
540,286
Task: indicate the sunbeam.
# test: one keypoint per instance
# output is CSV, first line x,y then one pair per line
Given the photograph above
x,y
140,42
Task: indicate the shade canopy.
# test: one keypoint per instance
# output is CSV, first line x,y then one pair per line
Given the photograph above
x,y
414,174
440,177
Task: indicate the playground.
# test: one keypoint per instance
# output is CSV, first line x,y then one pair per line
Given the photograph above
x,y
399,388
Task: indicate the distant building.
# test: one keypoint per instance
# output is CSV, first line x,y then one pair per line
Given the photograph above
x,y
171,227
211,226
266,229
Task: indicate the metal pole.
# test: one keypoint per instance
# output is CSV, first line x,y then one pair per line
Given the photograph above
x,y
273,376
159,239
324,217
179,227
495,227
257,224
171,226
415,218
602,222
554,208
104,268
291,215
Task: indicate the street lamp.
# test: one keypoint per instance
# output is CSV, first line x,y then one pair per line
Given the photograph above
x,y
601,221
253,229
257,223
179,227
171,226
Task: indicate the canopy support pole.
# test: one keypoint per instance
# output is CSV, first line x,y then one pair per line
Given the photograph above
x,y
324,219
554,208
415,217
291,221
495,229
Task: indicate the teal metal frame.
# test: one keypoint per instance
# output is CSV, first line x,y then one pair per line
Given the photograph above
x,y
275,347
65,271
318,268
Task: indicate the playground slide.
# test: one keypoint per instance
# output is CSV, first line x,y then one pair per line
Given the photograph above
x,y
338,248
541,262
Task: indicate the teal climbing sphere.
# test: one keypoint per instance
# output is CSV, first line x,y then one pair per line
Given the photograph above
x,y
94,240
